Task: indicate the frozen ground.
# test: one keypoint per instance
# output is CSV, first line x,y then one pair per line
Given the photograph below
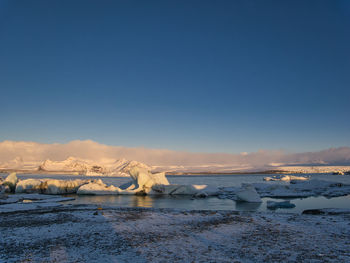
x,y
92,234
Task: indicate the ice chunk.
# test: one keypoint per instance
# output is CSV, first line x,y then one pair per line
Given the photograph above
x,y
50,186
283,204
185,190
286,178
11,181
143,180
29,186
98,188
248,194
206,190
55,187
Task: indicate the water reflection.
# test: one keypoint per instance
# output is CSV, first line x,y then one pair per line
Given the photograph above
x,y
245,206
141,201
211,203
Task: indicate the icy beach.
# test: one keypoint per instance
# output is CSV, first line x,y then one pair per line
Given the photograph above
x,y
91,233
40,224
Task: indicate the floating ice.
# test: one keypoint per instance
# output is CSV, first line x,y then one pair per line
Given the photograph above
x,y
303,189
248,194
29,186
97,188
50,186
146,183
286,178
11,181
143,180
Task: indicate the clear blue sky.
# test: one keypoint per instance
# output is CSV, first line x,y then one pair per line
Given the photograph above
x,y
212,76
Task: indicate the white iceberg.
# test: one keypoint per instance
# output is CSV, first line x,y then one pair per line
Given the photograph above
x,y
143,181
11,181
98,188
50,186
56,187
286,178
146,183
248,194
29,186
298,189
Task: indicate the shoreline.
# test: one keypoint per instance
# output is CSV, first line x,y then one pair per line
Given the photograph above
x,y
90,233
36,172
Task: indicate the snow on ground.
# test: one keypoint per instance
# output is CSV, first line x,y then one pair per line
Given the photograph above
x,y
91,234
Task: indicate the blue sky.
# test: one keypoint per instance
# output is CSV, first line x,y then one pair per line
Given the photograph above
x,y
203,76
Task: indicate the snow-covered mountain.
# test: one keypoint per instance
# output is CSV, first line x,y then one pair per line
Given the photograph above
x,y
119,167
19,164
74,165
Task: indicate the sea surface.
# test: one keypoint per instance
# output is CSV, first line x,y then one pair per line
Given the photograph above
x,y
211,203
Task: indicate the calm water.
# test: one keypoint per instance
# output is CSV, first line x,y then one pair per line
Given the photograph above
x,y
212,203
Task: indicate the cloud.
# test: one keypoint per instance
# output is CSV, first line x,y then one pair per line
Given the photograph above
x,y
35,152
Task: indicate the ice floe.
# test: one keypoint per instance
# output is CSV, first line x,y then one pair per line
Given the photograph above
x,y
286,178
97,188
11,181
248,194
50,186
296,189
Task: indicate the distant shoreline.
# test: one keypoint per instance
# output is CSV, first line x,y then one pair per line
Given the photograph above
x,y
76,173
227,173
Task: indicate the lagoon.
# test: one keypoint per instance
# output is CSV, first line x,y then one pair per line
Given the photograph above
x,y
210,203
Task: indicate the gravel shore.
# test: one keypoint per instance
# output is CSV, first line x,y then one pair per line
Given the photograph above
x,y
95,234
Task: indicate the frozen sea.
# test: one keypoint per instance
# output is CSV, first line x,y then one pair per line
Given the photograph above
x,y
211,203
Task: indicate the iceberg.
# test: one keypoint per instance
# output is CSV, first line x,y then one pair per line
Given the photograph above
x,y
248,194
11,181
29,186
287,178
56,187
143,182
50,186
303,189
97,188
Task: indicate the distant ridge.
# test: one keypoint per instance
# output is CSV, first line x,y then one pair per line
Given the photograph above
x,y
92,158
74,165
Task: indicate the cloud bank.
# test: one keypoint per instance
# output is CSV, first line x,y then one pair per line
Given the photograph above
x,y
38,152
